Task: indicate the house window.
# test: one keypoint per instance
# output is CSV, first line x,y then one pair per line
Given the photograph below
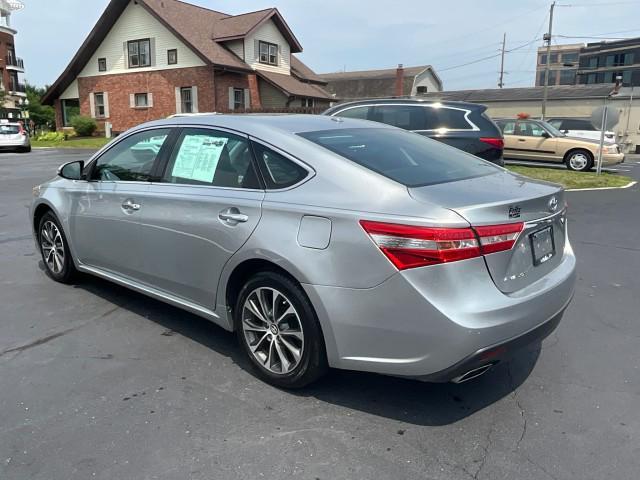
x,y
268,53
307,103
141,100
102,64
422,89
139,53
70,109
99,102
172,56
186,100
238,98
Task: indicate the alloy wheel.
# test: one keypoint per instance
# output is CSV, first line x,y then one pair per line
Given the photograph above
x,y
272,330
52,246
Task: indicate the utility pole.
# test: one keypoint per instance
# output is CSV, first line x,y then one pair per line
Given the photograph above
x,y
501,81
547,38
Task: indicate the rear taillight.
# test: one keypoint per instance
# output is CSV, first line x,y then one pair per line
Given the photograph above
x,y
22,131
496,238
408,246
494,142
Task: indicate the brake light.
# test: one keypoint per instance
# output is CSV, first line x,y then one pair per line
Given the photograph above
x,y
22,131
408,246
497,238
494,142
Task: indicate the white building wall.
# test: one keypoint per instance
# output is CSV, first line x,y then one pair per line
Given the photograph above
x,y
237,47
71,92
268,32
425,79
136,23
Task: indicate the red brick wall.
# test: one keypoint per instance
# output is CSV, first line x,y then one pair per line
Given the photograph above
x,y
224,80
161,83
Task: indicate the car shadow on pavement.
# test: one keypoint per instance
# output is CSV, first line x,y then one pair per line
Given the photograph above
x,y
409,401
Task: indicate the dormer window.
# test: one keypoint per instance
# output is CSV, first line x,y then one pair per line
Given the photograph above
x,y
268,53
102,64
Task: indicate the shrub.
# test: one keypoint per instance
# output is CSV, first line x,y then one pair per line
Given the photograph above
x,y
51,137
84,126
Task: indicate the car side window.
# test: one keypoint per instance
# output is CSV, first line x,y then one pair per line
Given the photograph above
x,y
277,170
402,116
559,124
132,159
211,157
447,118
508,128
355,112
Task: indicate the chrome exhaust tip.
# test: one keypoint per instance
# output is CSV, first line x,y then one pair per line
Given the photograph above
x,y
471,374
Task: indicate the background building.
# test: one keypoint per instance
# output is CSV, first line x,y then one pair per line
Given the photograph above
x,y
602,62
559,73
392,82
148,59
12,81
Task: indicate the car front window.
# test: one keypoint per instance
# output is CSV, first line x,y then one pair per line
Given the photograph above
x,y
553,130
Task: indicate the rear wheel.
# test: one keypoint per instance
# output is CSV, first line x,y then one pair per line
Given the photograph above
x,y
279,331
55,250
579,160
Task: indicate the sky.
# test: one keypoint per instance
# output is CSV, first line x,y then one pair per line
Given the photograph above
x,y
368,34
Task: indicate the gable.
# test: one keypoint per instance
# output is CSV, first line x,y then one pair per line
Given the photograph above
x,y
268,32
137,23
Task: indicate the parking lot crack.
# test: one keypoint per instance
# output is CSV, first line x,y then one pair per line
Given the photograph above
x,y
520,408
53,336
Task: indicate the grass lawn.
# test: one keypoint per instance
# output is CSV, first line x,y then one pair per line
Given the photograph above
x,y
572,179
78,142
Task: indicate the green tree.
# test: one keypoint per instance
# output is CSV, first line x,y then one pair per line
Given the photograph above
x,y
44,116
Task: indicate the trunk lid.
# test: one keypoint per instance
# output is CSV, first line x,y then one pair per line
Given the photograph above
x,y
504,198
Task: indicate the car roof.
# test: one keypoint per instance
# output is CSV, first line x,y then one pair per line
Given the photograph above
x,y
261,124
409,101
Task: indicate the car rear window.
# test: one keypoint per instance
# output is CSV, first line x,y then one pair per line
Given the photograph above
x,y
9,129
408,158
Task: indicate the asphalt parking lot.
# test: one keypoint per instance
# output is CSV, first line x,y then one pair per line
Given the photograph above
x,y
99,382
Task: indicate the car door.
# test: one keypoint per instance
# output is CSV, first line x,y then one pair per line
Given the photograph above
x,y
511,142
204,208
535,142
105,210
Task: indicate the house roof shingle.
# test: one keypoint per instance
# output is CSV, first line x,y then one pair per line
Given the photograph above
x,y
198,27
292,86
374,74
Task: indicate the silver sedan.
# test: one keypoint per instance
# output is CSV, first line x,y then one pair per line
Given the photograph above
x,y
323,242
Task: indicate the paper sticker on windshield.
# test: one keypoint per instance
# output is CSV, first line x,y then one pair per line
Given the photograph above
x,y
198,157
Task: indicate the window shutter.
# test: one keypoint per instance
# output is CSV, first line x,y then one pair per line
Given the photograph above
x,y
231,98
152,51
247,99
132,100
106,104
256,50
92,104
194,99
178,101
126,55
150,99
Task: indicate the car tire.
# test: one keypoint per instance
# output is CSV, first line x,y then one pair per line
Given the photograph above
x,y
272,350
26,149
54,249
579,160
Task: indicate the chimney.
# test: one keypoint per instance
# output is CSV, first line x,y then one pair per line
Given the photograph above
x,y
400,81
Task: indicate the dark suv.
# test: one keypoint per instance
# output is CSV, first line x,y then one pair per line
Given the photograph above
x,y
459,124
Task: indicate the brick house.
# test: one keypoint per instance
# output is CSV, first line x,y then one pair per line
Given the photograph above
x,y
148,59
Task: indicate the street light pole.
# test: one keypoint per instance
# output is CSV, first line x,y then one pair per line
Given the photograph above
x,y
547,38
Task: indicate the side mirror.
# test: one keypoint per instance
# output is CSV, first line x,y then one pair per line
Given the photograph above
x,y
546,135
72,170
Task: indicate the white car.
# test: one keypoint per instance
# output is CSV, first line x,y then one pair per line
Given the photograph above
x,y
13,136
581,128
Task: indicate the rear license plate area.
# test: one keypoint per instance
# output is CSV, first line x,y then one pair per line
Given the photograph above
x,y
542,245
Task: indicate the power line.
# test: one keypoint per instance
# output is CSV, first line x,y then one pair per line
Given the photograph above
x,y
489,57
599,4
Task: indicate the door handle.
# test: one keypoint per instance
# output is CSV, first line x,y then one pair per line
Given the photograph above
x,y
522,140
130,205
233,216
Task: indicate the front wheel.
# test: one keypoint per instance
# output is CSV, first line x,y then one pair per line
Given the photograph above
x,y
55,250
579,160
279,331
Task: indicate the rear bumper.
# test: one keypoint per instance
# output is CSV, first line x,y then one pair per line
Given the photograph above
x,y
12,144
612,158
432,322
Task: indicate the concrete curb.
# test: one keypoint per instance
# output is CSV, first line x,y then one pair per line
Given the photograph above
x,y
628,185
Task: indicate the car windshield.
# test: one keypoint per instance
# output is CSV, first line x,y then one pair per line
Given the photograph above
x,y
408,158
553,130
